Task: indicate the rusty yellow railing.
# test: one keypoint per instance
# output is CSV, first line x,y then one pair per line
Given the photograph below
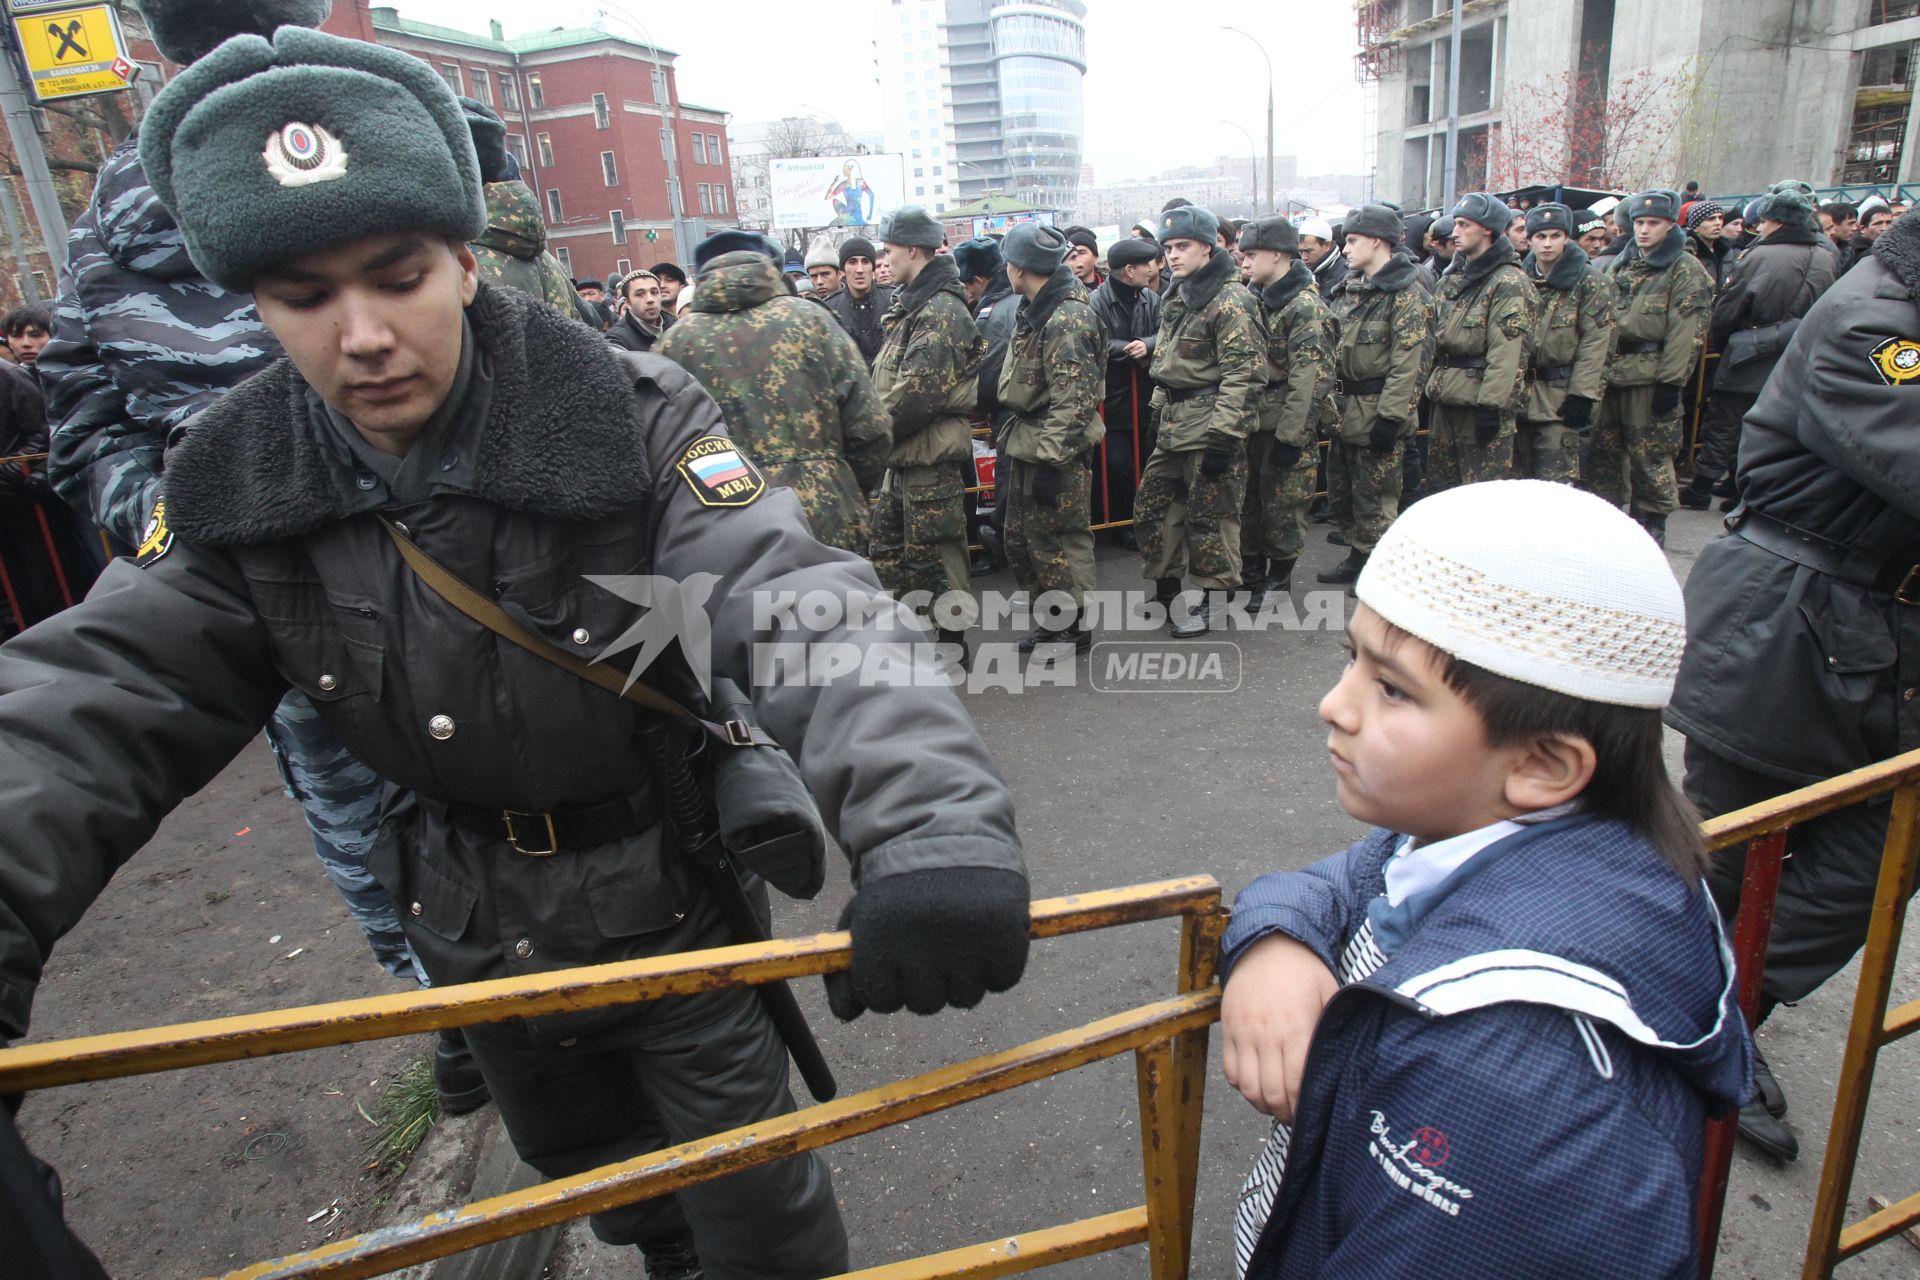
x,y
1168,1039
1764,828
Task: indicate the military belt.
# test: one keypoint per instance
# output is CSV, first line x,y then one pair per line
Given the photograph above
x,y
1638,347
1896,575
1551,373
1445,361
1279,384
1364,387
1176,394
541,835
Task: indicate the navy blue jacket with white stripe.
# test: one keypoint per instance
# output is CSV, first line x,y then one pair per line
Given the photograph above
x,y
1522,1088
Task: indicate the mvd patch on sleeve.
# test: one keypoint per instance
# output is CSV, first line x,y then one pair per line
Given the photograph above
x,y
157,539
719,474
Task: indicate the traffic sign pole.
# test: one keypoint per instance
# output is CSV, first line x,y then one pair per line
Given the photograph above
x,y
24,132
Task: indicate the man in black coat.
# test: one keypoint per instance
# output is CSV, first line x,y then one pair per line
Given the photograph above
x,y
859,303
1131,312
1803,621
1772,285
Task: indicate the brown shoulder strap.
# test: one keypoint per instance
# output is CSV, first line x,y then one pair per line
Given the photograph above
x,y
449,587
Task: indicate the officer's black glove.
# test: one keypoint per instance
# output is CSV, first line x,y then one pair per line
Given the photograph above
x,y
1381,438
1048,482
1217,461
1576,412
1282,456
928,939
1486,424
1666,397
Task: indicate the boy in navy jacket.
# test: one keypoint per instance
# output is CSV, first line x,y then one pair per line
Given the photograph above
x,y
1491,1033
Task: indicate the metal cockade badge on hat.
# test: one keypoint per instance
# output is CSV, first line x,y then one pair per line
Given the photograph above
x,y
299,153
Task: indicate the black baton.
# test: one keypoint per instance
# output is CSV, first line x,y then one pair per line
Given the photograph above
x,y
696,832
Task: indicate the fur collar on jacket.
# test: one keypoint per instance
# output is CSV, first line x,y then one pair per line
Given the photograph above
x,y
1204,285
1498,254
1664,254
1060,287
564,435
939,275
1898,250
1566,273
1277,295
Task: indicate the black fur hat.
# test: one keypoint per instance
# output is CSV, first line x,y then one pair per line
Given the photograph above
x,y
186,30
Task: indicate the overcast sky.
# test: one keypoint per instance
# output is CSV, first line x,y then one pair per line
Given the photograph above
x,y
1160,79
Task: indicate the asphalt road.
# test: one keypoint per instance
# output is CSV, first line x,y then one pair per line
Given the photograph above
x,y
181,1174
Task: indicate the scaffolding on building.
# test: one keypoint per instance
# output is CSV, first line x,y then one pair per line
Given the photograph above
x,y
1378,53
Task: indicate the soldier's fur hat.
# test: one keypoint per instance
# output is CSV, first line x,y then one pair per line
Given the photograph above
x,y
187,30
977,257
1478,206
1375,220
1550,216
267,151
913,227
489,139
1270,233
1657,203
1189,222
1032,247
733,240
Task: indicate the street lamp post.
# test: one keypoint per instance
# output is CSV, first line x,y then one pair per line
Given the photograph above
x,y
670,111
1263,53
1254,182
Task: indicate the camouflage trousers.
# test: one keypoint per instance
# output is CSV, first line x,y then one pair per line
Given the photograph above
x,y
1630,462
1455,455
1273,519
1366,486
1187,522
1546,451
831,497
918,536
341,799
1051,547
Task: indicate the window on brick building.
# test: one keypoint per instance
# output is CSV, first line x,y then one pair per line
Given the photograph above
x,y
553,205
619,221
713,148
450,72
623,265
706,198
699,149
609,170
546,150
509,92
517,148
566,259
719,198
535,93
602,117
482,91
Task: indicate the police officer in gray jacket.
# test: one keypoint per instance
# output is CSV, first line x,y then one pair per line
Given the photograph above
x,y
418,409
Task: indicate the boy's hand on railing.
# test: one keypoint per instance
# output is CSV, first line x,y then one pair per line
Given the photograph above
x,y
924,940
1267,1016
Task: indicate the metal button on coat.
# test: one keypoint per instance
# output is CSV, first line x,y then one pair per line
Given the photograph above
x,y
523,949
414,909
365,481
328,683
580,635
441,727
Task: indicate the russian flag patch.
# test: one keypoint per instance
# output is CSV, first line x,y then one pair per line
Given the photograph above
x,y
719,474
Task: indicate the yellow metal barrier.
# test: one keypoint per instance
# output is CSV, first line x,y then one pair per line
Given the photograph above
x,y
1168,1039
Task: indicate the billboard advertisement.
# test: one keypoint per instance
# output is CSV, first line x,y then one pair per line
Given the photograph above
x,y
835,191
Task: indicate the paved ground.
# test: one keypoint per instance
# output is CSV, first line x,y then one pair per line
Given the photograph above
x,y
183,1174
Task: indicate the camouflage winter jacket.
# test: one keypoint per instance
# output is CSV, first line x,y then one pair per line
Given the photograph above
x,y
1055,375
1210,359
927,373
1484,307
512,251
793,388
1663,299
1386,328
1573,334
141,342
1299,357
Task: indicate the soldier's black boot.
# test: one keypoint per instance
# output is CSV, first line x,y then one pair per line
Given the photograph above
x,y
1186,621
1698,495
1766,1089
1068,633
1253,580
1279,579
1656,526
1346,571
1337,538
456,1076
951,652
672,1259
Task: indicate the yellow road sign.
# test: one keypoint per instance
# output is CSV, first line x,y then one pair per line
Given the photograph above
x,y
74,52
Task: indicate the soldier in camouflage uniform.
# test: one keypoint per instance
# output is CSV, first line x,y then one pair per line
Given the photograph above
x,y
1052,383
793,387
1386,325
1573,334
1663,299
142,342
927,376
513,249
1208,366
1484,306
1295,400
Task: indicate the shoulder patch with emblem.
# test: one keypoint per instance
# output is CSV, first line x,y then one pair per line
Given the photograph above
x,y
157,539
1897,361
719,474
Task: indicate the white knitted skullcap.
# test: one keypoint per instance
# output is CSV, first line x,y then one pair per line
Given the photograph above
x,y
1540,582
1319,228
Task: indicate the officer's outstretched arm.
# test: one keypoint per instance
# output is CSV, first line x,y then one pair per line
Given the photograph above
x,y
904,781
111,714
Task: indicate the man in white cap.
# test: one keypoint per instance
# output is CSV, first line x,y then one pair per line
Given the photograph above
x,y
1321,255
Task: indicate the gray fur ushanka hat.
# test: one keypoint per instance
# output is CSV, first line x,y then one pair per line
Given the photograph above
x,y
269,151
187,30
